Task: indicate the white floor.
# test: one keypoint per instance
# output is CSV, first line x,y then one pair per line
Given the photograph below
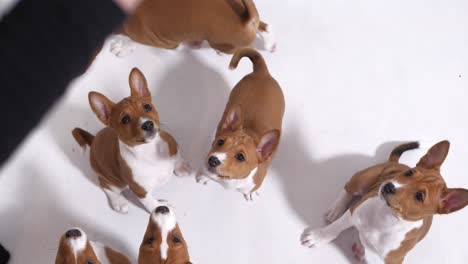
x,y
358,77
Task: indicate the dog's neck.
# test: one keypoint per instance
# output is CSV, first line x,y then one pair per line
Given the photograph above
x,y
156,147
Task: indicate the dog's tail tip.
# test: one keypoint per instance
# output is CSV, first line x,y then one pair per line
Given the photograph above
x,y
259,65
399,150
82,137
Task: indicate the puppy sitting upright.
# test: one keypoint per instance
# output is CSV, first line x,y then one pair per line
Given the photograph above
x,y
225,24
132,150
249,132
75,248
396,205
163,241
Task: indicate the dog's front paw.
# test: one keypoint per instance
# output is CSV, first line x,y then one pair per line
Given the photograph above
x,y
249,197
119,204
313,238
202,178
121,46
183,169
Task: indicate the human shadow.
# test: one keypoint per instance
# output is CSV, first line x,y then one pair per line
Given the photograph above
x,y
190,100
312,185
36,225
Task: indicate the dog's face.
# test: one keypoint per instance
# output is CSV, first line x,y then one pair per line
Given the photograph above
x,y
75,248
134,119
163,241
235,153
421,191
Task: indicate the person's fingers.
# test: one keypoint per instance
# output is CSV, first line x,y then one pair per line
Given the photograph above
x,y
128,5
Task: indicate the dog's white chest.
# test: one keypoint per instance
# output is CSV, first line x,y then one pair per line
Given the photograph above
x,y
150,163
379,229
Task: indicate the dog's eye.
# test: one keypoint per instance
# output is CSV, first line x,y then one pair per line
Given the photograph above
x,y
409,173
148,107
126,120
89,262
149,241
419,196
220,142
176,239
240,157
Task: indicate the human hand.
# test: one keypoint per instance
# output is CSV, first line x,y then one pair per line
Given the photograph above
x,y
128,6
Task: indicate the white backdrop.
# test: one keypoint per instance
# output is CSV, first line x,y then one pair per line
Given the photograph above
x,y
358,76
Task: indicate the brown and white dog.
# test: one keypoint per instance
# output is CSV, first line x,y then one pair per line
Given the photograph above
x,y
132,151
395,207
75,248
225,24
249,132
163,241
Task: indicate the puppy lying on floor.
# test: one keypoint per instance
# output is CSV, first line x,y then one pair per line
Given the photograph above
x,y
225,24
75,248
163,241
132,151
395,207
249,132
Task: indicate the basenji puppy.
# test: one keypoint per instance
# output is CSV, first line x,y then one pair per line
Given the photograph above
x,y
75,248
225,24
132,151
395,205
249,131
163,241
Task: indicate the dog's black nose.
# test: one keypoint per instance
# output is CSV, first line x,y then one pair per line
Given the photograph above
x,y
162,209
389,188
73,233
147,126
214,162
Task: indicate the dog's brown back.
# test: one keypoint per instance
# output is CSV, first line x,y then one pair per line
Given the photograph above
x,y
225,24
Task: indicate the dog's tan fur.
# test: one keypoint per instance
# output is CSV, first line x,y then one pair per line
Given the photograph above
x,y
424,177
150,248
251,123
66,255
225,24
105,156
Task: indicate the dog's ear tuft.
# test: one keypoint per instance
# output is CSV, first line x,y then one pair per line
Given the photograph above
x,y
233,119
101,106
435,156
268,143
138,84
452,200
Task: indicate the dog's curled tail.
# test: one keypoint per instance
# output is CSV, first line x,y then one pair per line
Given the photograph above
x,y
82,137
398,151
259,65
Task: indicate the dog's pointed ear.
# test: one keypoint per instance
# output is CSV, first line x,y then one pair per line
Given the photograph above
x,y
452,200
268,143
101,106
435,156
233,119
138,84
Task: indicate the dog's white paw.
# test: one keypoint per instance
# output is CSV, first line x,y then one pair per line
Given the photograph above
x,y
183,169
269,43
202,178
119,204
314,238
121,46
249,197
